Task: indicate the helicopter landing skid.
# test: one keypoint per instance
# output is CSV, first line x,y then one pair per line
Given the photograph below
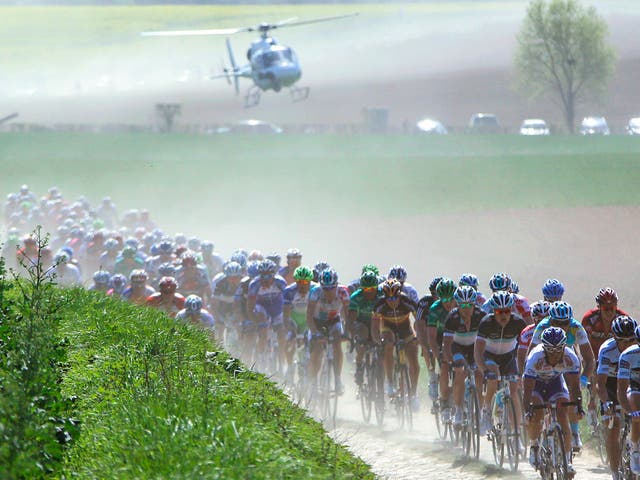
x,y
252,97
299,93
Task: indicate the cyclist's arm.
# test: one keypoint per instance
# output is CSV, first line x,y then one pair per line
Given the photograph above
x,y
421,332
587,359
601,387
375,328
623,384
286,314
352,315
527,389
478,353
432,339
311,322
573,384
521,358
251,306
447,342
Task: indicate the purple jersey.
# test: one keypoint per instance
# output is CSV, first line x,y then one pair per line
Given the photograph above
x,y
271,297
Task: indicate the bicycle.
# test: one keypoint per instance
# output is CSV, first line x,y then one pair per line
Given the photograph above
x,y
469,430
504,435
402,386
371,386
327,395
444,426
552,459
625,453
597,428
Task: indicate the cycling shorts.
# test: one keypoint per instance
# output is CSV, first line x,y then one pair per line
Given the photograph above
x,y
551,391
506,363
461,353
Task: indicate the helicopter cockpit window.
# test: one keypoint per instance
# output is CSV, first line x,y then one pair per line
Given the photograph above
x,y
287,55
270,58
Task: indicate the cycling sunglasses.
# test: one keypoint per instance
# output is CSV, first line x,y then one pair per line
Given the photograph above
x,y
465,305
391,299
502,310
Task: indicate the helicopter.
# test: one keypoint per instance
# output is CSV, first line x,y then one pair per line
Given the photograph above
x,y
272,66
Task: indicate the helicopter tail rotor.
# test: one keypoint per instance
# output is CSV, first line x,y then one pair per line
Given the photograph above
x,y
234,66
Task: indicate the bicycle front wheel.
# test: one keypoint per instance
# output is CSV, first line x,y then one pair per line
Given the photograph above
x,y
405,388
473,423
510,430
559,455
365,392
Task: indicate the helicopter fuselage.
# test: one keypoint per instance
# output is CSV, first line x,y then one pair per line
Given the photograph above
x,y
273,66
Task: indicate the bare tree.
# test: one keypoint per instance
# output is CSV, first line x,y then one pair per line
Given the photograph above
x,y
563,53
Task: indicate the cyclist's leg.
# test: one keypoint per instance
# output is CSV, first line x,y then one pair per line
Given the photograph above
x,y
277,324
337,332
411,349
387,341
634,400
363,335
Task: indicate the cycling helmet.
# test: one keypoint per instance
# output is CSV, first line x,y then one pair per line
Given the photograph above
x,y
61,257
560,311
540,309
239,258
294,253
468,279
101,277
623,326
552,288
553,338
132,242
606,295
111,245
398,272
372,267
194,244
165,247
465,294
501,299
118,282
232,269
318,268
267,267
514,288
168,284
391,287
369,279
128,252
181,239
241,251
252,268
500,281
193,303
303,273
275,258
206,247
446,288
167,269
434,284
328,277
189,259
138,276
255,255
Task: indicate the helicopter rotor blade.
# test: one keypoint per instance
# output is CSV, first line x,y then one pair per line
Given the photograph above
x,y
189,33
313,20
232,59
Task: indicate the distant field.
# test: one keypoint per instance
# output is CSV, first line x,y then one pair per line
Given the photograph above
x,y
233,178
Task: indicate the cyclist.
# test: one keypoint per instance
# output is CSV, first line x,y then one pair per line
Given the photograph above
x,y
361,305
435,331
495,352
167,299
265,302
108,257
400,273
117,284
469,279
193,278
623,329
165,254
100,281
460,330
327,305
128,261
561,315
539,311
552,290
296,299
551,375
63,271
294,260
629,395
194,313
391,322
138,291
502,282
597,322
248,331
212,261
355,283
223,297
318,268
420,325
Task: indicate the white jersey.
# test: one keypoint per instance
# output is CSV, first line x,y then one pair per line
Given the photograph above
x,y
608,358
629,366
539,368
411,292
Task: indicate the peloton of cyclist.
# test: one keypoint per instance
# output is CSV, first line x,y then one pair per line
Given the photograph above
x,y
551,375
623,330
495,352
327,307
629,395
460,330
391,322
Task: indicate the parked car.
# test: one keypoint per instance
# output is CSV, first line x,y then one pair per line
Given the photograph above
x,y
431,127
633,127
484,123
250,127
534,126
594,126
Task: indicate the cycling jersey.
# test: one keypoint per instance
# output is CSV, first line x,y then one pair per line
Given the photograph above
x,y
202,317
437,317
396,320
224,294
138,298
576,334
597,330
524,340
410,291
269,298
520,306
539,368
608,361
328,311
629,367
455,326
298,304
195,281
172,304
424,304
500,340
364,308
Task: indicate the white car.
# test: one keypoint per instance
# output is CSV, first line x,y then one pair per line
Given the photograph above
x,y
633,127
250,127
431,127
594,126
534,126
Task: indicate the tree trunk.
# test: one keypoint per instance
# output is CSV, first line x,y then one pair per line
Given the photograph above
x,y
570,114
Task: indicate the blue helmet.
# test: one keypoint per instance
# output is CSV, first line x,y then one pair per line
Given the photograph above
x,y
328,277
514,288
540,309
552,288
500,281
240,258
553,338
267,267
275,258
167,270
252,268
101,277
398,272
465,294
232,269
561,311
434,284
501,299
193,303
118,282
624,326
165,247
468,279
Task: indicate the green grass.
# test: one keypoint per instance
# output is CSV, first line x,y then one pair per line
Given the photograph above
x,y
230,178
136,394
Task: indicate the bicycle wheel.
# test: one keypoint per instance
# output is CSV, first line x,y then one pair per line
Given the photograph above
x,y
405,388
332,395
599,433
377,389
496,436
560,457
510,430
473,422
364,391
625,456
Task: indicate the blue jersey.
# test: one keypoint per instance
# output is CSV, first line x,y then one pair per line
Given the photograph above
x,y
271,297
576,334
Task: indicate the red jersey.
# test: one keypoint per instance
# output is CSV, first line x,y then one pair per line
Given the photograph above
x,y
171,305
597,331
524,340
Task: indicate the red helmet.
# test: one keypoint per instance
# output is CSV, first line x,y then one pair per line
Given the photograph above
x,y
189,259
606,295
168,285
